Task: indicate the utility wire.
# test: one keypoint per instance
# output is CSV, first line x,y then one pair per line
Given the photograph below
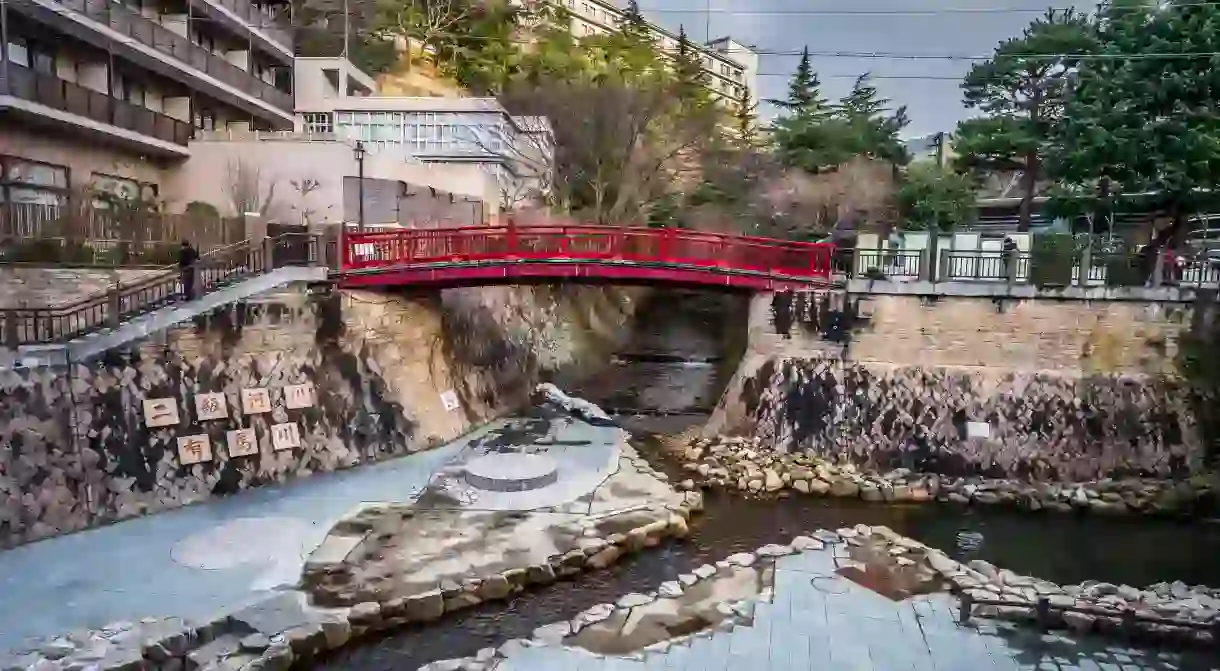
x,y
902,12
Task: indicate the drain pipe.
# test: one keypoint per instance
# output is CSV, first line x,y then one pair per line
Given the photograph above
x,y
85,491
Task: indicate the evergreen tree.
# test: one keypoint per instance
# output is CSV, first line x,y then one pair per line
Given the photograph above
x,y
1022,96
804,91
1141,121
862,103
745,120
632,22
688,69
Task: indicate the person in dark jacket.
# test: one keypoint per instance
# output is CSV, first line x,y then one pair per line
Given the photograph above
x,y
187,256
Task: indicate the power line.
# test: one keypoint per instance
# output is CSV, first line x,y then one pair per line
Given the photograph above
x,y
902,12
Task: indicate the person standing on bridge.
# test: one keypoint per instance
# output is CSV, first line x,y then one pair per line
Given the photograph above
x,y
187,256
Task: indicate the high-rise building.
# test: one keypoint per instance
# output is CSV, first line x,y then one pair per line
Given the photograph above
x,y
105,95
730,68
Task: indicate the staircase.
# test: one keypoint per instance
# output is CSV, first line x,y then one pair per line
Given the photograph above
x,y
94,324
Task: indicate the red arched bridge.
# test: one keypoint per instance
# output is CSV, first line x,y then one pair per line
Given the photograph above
x,y
483,255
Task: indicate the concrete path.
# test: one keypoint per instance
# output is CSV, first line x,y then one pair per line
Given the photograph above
x,y
197,561
819,620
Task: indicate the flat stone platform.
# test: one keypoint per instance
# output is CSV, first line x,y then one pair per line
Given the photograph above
x,y
511,472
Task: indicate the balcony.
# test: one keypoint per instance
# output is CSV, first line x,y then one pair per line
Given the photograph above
x,y
152,34
252,16
25,84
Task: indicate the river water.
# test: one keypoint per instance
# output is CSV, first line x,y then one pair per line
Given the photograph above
x,y
665,381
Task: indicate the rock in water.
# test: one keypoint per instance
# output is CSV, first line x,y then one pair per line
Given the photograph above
x,y
577,406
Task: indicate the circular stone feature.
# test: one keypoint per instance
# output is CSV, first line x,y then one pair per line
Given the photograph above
x,y
511,472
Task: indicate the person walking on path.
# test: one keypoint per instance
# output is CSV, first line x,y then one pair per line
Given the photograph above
x,y
187,256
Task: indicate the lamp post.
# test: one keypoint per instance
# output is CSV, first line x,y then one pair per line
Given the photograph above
x,y
360,185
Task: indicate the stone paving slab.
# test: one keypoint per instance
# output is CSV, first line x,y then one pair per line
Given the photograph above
x,y
127,571
819,620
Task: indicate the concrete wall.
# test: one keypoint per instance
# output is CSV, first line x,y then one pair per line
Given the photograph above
x,y
75,450
81,158
279,163
1019,388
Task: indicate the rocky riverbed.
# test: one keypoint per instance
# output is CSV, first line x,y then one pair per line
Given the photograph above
x,y
740,465
723,596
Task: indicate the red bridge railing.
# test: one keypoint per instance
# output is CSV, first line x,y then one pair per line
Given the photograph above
x,y
407,247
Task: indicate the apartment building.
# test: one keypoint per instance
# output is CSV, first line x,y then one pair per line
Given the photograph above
x,y
334,97
108,94
731,67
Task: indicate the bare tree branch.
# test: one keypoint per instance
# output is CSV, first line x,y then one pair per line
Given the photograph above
x,y
246,190
613,148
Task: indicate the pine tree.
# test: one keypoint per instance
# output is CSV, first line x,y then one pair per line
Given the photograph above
x,y
745,118
632,22
632,14
1143,122
1022,98
688,68
862,103
804,91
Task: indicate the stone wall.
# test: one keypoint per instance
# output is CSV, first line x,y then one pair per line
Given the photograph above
x,y
1027,335
75,450
1063,390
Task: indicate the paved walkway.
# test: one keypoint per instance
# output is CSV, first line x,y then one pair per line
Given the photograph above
x,y
821,621
193,562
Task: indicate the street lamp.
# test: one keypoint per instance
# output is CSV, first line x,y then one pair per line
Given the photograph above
x,y
360,153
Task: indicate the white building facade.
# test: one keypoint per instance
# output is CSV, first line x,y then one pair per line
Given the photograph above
x,y
515,151
731,68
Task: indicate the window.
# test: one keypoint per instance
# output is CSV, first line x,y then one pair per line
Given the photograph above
x,y
120,188
318,122
205,120
32,182
30,54
18,52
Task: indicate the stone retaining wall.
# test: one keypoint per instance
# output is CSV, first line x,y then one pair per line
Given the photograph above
x,y
75,450
1061,390
958,421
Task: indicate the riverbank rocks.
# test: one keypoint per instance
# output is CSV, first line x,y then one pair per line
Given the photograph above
x,y
1171,611
740,464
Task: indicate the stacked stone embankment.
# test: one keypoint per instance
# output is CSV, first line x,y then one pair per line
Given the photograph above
x,y
742,465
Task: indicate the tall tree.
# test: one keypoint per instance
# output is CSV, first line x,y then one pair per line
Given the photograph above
x,y
1021,90
863,101
745,120
688,70
1142,120
931,194
632,16
804,91
633,26
615,145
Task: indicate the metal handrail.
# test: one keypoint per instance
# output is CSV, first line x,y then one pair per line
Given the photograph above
x,y
108,308
388,248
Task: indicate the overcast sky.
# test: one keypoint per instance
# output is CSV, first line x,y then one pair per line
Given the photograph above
x,y
932,97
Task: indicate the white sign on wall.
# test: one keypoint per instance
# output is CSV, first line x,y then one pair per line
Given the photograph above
x,y
297,396
211,406
450,400
242,443
978,430
194,449
285,436
160,412
255,401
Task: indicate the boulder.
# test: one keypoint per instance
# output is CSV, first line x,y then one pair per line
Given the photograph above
x,y
844,488
426,606
772,481
494,588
